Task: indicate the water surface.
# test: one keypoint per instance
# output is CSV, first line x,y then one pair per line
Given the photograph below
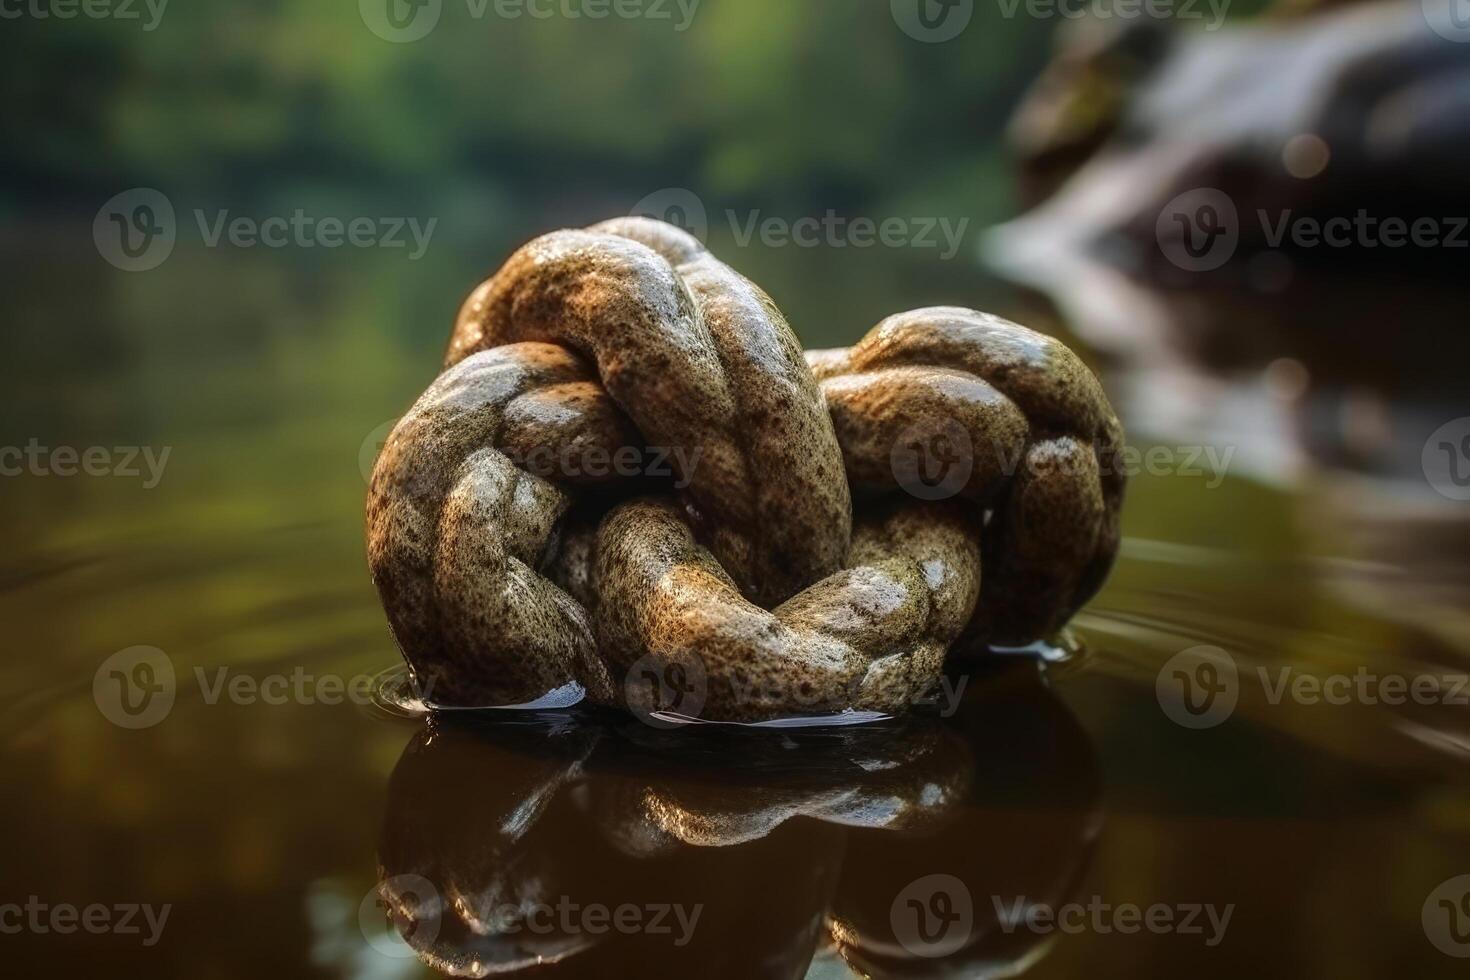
x,y
280,835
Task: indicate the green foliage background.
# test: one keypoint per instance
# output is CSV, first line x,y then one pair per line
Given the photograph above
x,y
776,103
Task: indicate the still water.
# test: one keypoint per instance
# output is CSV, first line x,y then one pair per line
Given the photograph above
x,y
1259,808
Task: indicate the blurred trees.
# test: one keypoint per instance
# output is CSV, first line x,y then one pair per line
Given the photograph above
x,y
796,105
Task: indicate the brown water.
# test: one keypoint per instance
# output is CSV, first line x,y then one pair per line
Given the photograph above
x,y
282,835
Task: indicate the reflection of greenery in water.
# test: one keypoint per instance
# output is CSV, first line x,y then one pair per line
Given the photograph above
x,y
260,374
